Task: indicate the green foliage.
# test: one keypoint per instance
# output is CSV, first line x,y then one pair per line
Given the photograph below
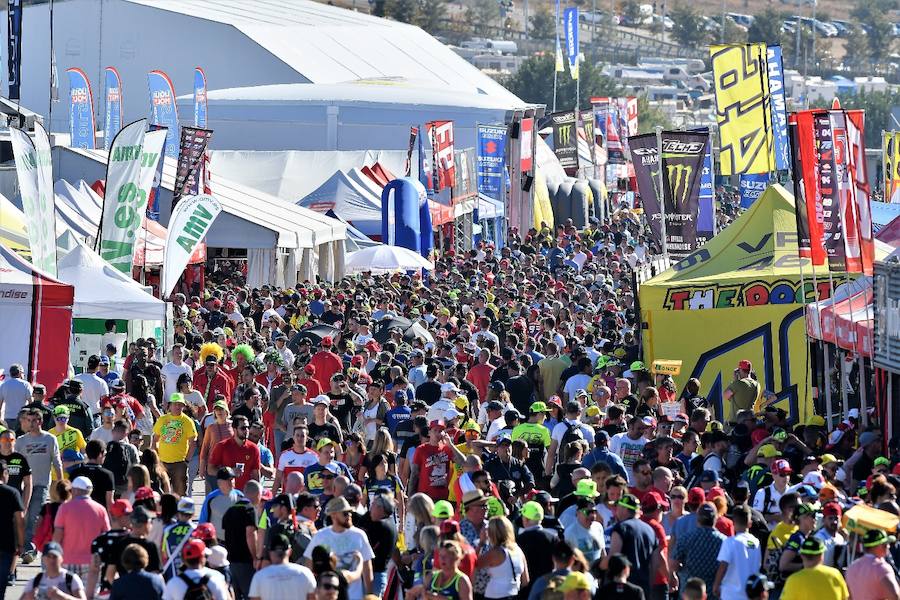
x,y
432,15
533,83
404,11
542,26
767,27
879,40
688,28
484,15
878,107
650,116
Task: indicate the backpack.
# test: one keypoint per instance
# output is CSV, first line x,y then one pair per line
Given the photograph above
x,y
573,433
756,477
198,590
117,462
772,568
37,583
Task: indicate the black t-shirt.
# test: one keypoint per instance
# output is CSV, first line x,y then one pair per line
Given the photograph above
x,y
534,544
341,408
382,537
405,429
10,503
108,547
103,480
254,415
326,430
18,469
235,522
429,392
521,392
412,441
619,591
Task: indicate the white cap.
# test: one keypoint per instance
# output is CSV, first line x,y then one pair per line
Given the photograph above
x,y
186,505
217,557
853,413
82,483
451,414
321,399
449,387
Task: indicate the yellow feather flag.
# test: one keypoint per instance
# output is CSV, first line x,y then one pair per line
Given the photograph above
x,y
560,67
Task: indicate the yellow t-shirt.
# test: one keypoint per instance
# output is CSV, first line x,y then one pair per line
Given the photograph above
x,y
69,439
175,433
817,583
456,472
780,535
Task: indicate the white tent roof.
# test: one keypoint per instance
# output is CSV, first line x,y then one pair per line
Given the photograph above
x,y
102,292
348,200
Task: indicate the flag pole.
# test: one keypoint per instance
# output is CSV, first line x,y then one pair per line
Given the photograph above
x,y
662,192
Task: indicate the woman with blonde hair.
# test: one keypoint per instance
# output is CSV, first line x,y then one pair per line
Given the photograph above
x,y
418,515
449,583
138,477
504,562
213,433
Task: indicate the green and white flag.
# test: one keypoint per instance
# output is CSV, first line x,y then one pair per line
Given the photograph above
x,y
190,222
34,169
125,201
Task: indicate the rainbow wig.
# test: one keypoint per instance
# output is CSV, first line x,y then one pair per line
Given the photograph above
x,y
243,350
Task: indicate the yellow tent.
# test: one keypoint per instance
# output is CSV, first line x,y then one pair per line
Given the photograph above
x,y
738,298
13,233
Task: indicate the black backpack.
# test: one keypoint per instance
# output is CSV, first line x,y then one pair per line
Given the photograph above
x,y
196,590
573,433
37,582
117,462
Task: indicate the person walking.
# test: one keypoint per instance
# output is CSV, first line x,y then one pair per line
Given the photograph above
x,y
174,439
65,584
871,577
348,543
237,453
102,480
220,500
282,579
695,556
534,540
15,393
41,449
740,556
136,583
94,387
77,523
197,580
504,562
12,523
635,540
815,581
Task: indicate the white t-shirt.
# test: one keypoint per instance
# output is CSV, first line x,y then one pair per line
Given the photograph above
x,y
629,451
759,500
176,588
282,582
743,554
102,434
94,389
295,461
342,545
559,431
576,382
171,372
58,582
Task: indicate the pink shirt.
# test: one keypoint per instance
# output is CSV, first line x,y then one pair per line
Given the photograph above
x,y
871,578
83,520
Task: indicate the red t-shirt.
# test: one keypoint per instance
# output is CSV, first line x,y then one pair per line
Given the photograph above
x,y
480,377
434,470
661,577
327,364
466,563
228,453
313,388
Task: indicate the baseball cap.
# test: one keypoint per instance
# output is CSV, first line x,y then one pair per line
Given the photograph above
x,y
696,495
220,404
450,527
707,510
61,411
143,493
628,501
194,549
186,505
448,387
587,488
204,531
745,365
538,407
782,467
867,437
533,511
648,421
120,508
104,360
82,483
877,537
709,476
574,581
544,498
881,460
437,423
282,500
757,584
827,459
498,386
279,543
141,515
494,405
321,399
815,421
52,548
812,546
807,509
442,510
832,509
176,397
225,473
768,451
652,502
337,505
325,442
72,455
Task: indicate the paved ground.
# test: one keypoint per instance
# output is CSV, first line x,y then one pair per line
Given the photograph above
x,y
27,572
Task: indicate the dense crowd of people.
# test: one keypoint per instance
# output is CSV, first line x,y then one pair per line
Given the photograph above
x,y
487,430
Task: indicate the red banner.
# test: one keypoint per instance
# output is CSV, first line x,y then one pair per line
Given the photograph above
x,y
860,182
526,141
441,135
806,145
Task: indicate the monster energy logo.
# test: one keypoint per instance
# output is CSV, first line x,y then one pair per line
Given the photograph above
x,y
679,182
565,134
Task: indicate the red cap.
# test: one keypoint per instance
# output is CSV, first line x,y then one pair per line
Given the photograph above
x,y
217,303
781,467
450,526
120,508
205,531
327,341
142,493
745,365
193,550
373,345
310,369
832,509
437,423
357,360
715,492
653,501
696,495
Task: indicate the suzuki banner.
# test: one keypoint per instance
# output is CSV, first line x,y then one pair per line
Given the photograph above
x,y
570,18
163,109
565,138
199,97
35,176
491,148
113,121
81,110
124,201
188,226
752,186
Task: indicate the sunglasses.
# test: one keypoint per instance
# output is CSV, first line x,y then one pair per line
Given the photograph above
x,y
329,587
677,497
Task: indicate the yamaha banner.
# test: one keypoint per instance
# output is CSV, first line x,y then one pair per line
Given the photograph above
x,y
14,48
706,216
193,145
779,108
163,109
565,138
199,97
81,110
570,18
113,120
491,161
752,186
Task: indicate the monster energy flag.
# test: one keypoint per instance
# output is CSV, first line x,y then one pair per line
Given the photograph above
x,y
565,138
683,153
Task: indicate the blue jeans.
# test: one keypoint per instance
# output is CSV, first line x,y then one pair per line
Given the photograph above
x,y
6,561
379,582
39,497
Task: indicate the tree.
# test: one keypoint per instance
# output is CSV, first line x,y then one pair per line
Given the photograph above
x,y
878,107
649,116
432,15
404,11
484,15
688,28
543,24
767,27
631,10
879,38
533,83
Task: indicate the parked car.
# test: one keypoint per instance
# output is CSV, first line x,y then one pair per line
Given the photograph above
x,y
845,28
742,20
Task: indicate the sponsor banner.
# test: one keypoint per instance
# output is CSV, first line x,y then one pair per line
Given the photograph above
x,y
413,134
845,192
751,293
752,186
570,19
441,135
81,110
801,198
124,201
779,108
465,185
856,155
526,144
826,171
163,110
740,77
35,176
706,215
587,124
151,166
890,148
491,148
565,138
153,202
600,108
193,144
14,48
645,158
425,176
112,122
188,226
199,97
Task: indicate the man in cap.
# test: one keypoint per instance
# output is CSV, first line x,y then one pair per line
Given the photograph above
x,y
630,444
653,503
767,499
321,474
345,540
740,556
743,392
695,556
870,575
174,439
240,534
474,521
197,574
534,540
326,362
430,466
577,586
570,429
77,523
220,499
67,437
53,577
861,464
832,533
618,587
635,540
504,467
102,479
537,437
281,575
586,532
815,581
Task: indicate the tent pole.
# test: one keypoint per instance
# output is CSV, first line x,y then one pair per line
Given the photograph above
x,y
662,192
837,352
863,408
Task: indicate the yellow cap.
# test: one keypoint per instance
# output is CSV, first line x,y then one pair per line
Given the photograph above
x,y
576,580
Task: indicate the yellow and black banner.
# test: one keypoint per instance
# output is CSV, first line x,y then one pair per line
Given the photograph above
x,y
743,108
890,148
